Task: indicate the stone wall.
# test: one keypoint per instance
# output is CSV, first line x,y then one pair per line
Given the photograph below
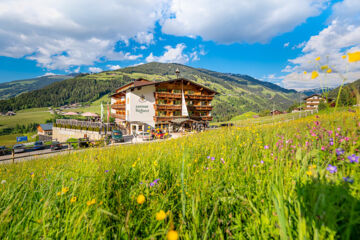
x,y
63,134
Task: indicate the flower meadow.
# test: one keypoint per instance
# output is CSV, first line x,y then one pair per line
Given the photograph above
x,y
293,180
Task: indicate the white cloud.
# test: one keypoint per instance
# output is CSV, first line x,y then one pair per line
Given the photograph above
x,y
341,36
76,70
171,55
95,69
229,21
61,34
286,44
49,74
113,67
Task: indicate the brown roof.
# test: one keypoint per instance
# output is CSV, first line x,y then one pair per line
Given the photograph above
x,y
143,82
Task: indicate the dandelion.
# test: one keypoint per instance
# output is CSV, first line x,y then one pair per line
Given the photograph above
x,y
64,190
73,199
353,158
140,199
305,72
172,235
314,74
329,70
343,57
317,59
91,202
348,179
161,215
331,168
309,173
58,193
354,57
324,67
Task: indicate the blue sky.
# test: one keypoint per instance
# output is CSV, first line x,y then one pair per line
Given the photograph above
x,y
270,40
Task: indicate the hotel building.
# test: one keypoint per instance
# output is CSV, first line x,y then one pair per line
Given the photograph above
x,y
171,105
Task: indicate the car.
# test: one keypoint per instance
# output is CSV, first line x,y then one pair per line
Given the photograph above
x,y
159,134
55,146
146,136
39,145
117,136
4,150
19,148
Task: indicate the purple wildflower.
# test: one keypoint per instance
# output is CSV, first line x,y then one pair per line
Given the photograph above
x,y
353,158
152,184
340,151
71,179
266,147
212,158
208,157
222,160
141,183
106,171
331,168
348,179
262,162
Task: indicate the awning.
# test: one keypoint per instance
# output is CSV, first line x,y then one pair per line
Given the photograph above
x,y
182,120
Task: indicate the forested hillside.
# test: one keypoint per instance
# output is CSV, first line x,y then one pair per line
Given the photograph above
x,y
238,93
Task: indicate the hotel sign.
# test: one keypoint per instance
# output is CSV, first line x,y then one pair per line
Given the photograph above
x,y
142,108
141,105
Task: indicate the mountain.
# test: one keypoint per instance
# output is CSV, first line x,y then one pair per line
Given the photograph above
x,y
350,94
238,93
310,92
14,88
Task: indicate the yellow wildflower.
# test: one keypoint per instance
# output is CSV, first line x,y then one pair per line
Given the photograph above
x,y
354,57
161,215
64,190
305,72
134,164
101,202
73,199
309,173
312,166
314,74
329,70
92,202
344,56
140,199
324,67
172,235
58,193
317,59
41,200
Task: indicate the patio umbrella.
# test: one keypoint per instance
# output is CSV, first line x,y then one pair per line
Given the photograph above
x,y
89,114
70,114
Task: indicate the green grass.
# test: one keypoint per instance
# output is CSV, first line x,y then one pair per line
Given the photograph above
x,y
245,192
23,117
243,116
9,140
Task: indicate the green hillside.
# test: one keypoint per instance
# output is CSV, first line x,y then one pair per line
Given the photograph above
x,y
238,93
14,88
350,94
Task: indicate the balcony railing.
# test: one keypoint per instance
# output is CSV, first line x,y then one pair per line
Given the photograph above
x,y
178,96
118,106
169,118
119,116
200,107
159,107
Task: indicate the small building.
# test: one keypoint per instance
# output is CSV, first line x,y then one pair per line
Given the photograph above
x,y
45,129
172,105
312,102
10,113
295,110
276,112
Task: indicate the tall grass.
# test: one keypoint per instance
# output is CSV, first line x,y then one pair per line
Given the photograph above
x,y
255,182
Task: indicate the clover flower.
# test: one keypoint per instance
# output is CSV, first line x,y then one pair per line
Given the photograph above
x,y
331,168
353,158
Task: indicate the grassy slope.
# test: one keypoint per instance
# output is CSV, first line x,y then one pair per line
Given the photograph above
x,y
290,194
23,117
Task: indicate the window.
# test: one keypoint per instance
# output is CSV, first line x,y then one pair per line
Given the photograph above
x,y
161,101
191,102
203,113
140,127
190,92
161,113
204,103
162,90
176,91
177,102
177,113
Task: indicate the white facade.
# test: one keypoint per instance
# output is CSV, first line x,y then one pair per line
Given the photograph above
x,y
140,105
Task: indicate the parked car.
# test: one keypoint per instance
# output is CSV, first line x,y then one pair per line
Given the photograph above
x,y
159,134
4,150
38,145
146,136
19,148
55,146
117,136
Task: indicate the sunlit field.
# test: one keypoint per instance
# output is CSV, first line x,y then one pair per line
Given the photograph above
x,y
298,179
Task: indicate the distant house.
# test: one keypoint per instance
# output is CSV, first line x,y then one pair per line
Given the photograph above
x,y
312,102
45,129
276,112
10,113
296,110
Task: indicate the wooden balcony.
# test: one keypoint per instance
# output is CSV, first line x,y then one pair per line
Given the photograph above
x,y
161,107
118,106
178,96
119,116
200,107
169,118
